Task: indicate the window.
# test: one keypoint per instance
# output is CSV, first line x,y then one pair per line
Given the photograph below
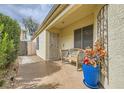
x,y
87,39
83,37
77,38
37,43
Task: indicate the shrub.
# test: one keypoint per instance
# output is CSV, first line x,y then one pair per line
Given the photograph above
x,y
9,40
2,82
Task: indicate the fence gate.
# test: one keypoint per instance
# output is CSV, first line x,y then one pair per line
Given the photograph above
x,y
23,48
102,33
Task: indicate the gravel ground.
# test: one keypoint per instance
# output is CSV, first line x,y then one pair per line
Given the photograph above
x,y
34,73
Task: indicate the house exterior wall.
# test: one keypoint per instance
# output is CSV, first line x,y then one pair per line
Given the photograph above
x,y
42,45
116,45
67,34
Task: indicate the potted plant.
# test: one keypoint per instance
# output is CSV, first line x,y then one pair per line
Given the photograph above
x,y
91,64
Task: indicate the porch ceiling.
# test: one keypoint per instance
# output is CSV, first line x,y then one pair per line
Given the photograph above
x,y
75,14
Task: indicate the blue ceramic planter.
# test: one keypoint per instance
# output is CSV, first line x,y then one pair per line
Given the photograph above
x,y
91,76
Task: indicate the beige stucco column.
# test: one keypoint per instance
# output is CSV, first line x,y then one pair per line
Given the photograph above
x,y
116,45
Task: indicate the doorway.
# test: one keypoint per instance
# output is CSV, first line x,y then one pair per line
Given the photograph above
x,y
53,46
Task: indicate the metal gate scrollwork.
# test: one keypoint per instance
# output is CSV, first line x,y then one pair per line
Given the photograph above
x,y
102,34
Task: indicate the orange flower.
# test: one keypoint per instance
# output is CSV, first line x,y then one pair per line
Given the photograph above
x,y
92,52
102,53
93,56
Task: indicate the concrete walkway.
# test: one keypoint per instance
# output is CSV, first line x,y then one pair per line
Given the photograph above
x,y
36,73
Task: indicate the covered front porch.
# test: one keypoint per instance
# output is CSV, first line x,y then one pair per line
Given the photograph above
x,y
75,27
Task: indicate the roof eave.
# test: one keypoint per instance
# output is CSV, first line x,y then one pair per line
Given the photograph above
x,y
45,23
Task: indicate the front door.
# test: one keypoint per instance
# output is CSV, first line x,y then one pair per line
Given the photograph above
x,y
53,45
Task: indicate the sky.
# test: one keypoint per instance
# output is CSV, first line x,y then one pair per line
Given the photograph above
x,y
19,11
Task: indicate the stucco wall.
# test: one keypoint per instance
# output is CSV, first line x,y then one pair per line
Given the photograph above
x,y
42,45
67,34
116,45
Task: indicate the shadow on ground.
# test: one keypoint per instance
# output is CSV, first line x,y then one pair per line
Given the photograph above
x,y
37,70
30,74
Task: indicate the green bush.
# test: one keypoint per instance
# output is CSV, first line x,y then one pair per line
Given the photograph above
x,y
9,40
2,82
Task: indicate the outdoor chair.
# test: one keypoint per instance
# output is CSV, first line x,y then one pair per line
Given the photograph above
x,y
64,54
74,55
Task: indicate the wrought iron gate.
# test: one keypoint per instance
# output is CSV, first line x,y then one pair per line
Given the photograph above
x,y
102,34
